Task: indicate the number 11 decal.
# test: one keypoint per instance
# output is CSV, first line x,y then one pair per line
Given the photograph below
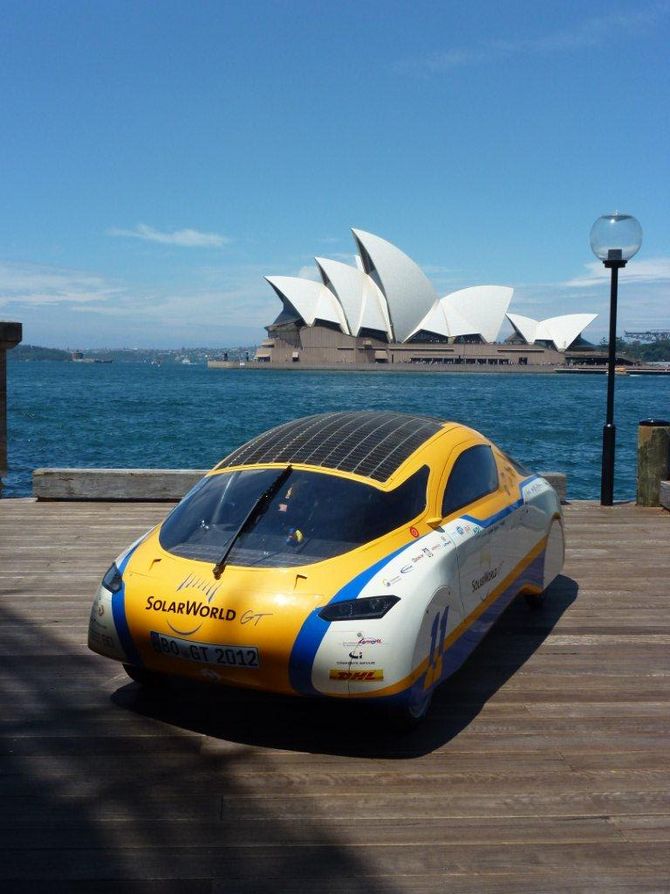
x,y
438,634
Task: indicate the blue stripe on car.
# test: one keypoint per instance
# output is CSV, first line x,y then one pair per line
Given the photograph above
x,y
120,620
508,510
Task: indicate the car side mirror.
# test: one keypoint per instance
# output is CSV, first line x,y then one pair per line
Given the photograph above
x,y
434,522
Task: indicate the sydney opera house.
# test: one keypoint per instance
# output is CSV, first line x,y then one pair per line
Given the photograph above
x,y
384,310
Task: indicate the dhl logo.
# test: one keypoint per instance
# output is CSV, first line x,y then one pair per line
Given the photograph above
x,y
359,676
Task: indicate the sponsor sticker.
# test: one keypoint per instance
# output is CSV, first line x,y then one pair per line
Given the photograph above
x,y
363,641
389,581
356,659
535,487
484,579
359,676
488,576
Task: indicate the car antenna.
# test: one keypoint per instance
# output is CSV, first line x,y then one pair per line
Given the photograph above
x,y
252,515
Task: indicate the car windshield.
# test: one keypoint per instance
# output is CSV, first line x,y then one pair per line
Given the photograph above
x,y
312,517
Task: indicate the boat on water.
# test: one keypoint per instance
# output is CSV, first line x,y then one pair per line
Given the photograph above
x,y
90,360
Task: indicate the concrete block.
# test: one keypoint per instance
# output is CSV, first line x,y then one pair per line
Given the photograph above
x,y
114,484
559,482
664,494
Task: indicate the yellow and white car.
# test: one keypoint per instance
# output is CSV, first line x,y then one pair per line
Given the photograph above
x,y
358,555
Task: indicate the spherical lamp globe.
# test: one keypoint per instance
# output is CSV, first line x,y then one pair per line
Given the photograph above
x,y
616,237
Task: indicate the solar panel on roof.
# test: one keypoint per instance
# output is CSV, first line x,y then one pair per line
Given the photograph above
x,y
367,443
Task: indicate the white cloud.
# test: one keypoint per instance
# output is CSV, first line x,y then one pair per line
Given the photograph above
x,y
246,305
346,257
309,271
187,238
37,284
235,294
589,33
60,306
650,270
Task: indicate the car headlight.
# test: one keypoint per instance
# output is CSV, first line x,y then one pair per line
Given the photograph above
x,y
367,608
112,580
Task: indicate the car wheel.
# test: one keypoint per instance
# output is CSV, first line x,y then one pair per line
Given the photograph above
x,y
408,715
534,601
143,676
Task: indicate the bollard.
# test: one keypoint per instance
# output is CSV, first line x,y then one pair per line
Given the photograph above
x,y
653,459
10,335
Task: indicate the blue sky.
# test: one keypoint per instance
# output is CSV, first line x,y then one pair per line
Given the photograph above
x,y
158,158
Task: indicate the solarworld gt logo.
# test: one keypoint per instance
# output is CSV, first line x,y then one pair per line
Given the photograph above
x,y
188,608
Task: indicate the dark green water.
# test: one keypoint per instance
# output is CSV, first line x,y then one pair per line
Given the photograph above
x,y
135,415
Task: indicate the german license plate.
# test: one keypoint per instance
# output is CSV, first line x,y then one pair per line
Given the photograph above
x,y
205,653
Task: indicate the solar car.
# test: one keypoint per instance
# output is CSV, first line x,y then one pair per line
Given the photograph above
x,y
351,555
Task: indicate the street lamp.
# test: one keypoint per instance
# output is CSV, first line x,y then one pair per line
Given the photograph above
x,y
615,238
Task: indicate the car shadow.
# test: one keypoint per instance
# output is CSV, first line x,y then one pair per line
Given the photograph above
x,y
332,726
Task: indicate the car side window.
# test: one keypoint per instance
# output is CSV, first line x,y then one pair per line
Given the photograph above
x,y
474,475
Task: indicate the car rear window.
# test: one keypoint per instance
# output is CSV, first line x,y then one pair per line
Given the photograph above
x,y
313,516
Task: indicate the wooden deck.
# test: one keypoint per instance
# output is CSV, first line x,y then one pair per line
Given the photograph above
x,y
545,765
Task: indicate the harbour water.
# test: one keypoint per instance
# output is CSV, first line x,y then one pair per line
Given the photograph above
x,y
136,415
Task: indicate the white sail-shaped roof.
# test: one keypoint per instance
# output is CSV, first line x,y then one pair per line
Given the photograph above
x,y
329,308
439,322
363,303
434,321
311,300
478,310
408,291
525,326
561,331
481,309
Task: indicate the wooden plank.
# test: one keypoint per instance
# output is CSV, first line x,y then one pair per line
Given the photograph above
x,y
292,857
114,484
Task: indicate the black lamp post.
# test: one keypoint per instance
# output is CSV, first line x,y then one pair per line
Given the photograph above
x,y
615,238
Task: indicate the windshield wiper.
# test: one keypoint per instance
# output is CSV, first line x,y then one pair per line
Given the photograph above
x,y
253,515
